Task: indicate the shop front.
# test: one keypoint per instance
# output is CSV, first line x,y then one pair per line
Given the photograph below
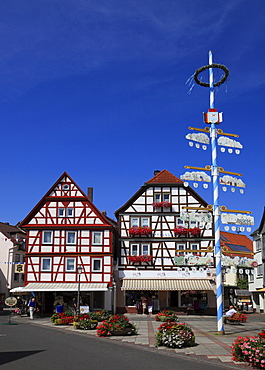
x,y
188,296
51,295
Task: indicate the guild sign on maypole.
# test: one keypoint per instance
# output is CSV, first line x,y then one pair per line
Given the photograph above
x,y
203,138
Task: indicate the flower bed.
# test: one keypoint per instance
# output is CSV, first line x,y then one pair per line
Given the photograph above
x,y
116,325
140,258
67,318
250,350
161,204
140,231
166,315
174,335
182,231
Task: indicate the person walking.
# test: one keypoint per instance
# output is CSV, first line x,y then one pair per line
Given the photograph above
x,y
32,306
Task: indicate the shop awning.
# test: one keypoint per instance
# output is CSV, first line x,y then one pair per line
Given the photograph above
x,y
166,284
242,293
60,287
262,290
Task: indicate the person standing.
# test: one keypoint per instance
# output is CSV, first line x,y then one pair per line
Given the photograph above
x,y
32,306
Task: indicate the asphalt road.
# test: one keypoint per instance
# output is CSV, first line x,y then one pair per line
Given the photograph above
x,y
28,346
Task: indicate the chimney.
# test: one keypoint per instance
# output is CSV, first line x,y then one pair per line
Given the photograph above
x,y
90,194
156,172
104,213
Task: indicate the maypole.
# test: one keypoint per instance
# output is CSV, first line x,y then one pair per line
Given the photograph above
x,y
221,213
215,180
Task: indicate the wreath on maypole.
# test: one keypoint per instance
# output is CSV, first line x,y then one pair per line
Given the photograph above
x,y
213,65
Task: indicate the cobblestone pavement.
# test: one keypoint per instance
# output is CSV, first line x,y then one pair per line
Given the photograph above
x,y
209,343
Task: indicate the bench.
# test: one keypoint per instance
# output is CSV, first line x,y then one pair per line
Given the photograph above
x,y
234,319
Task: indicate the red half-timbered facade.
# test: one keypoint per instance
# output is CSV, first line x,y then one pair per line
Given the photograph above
x,y
65,231
165,248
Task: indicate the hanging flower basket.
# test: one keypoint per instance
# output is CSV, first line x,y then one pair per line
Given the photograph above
x,y
140,231
140,258
162,204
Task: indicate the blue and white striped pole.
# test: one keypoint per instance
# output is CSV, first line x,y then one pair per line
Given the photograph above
x,y
215,179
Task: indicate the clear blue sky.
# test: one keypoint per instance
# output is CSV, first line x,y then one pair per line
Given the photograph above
x,y
98,89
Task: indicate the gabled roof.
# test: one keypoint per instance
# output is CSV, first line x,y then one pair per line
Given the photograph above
x,y
51,192
164,177
11,231
237,243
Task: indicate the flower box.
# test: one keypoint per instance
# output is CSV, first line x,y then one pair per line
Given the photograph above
x,y
182,231
140,258
140,231
162,204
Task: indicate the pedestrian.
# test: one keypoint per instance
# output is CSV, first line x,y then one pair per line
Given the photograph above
x,y
144,304
229,313
32,306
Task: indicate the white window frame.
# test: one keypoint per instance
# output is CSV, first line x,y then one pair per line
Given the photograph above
x,y
137,251
93,264
148,221
167,195
42,261
196,249
142,250
66,266
94,233
67,212
178,250
135,222
43,236
61,210
67,234
180,222
157,197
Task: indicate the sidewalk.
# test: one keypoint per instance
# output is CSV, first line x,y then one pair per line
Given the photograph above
x,y
209,344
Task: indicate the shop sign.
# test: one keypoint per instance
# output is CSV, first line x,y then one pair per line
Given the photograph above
x,y
10,301
193,260
238,261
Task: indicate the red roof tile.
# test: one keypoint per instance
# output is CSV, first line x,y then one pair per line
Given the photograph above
x,y
164,177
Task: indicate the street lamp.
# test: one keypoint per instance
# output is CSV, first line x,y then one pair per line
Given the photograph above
x,y
79,271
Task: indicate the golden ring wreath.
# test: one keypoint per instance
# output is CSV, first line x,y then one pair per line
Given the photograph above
x,y
213,65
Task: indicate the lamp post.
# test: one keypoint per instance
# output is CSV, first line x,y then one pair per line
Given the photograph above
x,y
79,271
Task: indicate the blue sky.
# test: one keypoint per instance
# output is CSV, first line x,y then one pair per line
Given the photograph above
x,y
98,89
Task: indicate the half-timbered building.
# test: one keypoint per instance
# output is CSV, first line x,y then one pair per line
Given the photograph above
x,y
66,233
165,248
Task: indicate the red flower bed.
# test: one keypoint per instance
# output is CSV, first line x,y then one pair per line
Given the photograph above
x,y
195,231
140,258
161,204
133,231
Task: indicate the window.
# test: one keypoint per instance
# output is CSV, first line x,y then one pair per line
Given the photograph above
x,y
61,212
194,247
258,245
180,222
96,237
70,237
22,277
180,249
166,197
157,197
135,222
70,264
96,265
134,249
70,212
145,249
46,264
140,222
16,276
65,187
145,221
17,257
260,270
47,237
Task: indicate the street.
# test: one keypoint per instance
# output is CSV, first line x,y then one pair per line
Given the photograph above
x,y
28,346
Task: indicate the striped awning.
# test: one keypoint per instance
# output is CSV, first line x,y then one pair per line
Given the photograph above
x,y
60,287
166,284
